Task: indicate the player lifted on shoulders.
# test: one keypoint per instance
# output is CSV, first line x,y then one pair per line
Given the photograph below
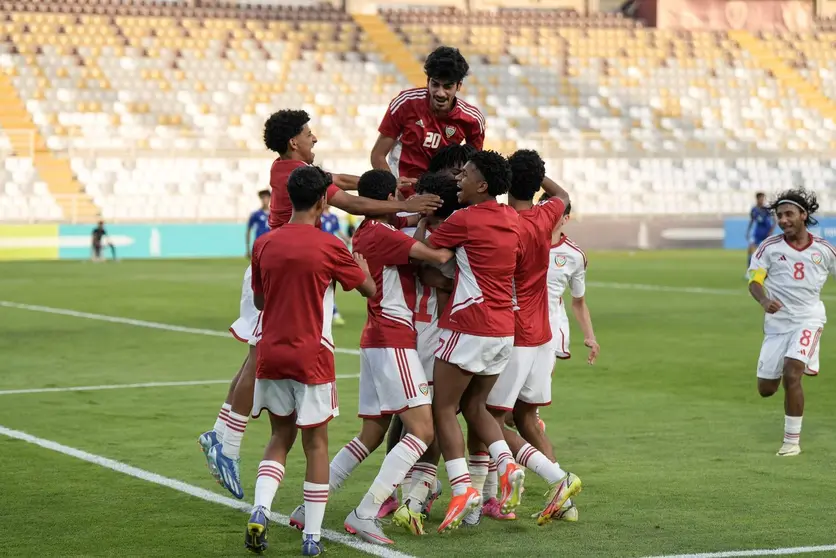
x,y
567,267
786,277
295,269
477,330
419,121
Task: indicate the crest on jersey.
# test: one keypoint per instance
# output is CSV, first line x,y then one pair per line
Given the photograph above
x,y
419,122
816,257
424,388
450,131
560,261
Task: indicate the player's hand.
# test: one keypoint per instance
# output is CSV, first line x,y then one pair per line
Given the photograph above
x,y
594,349
771,306
361,261
404,182
423,204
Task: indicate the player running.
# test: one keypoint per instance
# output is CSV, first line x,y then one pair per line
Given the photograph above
x,y
567,267
258,219
287,133
786,277
477,329
764,225
419,121
295,269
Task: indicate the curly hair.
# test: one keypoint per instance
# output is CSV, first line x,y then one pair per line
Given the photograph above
x,y
527,173
495,170
306,186
801,198
445,187
377,184
447,65
452,156
283,126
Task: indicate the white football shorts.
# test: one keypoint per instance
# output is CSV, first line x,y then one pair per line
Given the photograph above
x,y
801,344
428,333
560,334
528,377
486,356
313,405
391,381
247,328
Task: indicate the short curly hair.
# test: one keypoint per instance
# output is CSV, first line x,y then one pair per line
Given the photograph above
x,y
494,169
452,156
283,126
445,187
805,199
447,65
527,173
306,186
377,184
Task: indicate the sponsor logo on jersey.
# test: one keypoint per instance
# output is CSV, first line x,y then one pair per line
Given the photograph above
x,y
450,131
419,122
424,388
816,257
560,261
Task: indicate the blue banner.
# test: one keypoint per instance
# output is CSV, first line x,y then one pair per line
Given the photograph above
x,y
199,240
735,231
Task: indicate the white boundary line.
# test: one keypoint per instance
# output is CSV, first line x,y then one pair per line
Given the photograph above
x,y
134,386
760,552
130,321
195,491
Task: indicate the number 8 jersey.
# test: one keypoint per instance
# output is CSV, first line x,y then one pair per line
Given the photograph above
x,y
794,277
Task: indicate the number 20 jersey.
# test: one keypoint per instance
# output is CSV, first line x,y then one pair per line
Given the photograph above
x,y
795,278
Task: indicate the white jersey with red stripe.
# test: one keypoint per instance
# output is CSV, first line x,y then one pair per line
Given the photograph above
x,y
795,277
567,267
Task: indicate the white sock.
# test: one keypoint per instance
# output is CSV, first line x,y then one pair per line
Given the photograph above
x,y
395,466
316,498
478,467
270,475
792,429
235,426
346,460
529,457
405,485
501,453
458,474
220,422
423,481
491,483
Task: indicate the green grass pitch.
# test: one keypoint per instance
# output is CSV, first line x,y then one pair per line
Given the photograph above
x,y
675,448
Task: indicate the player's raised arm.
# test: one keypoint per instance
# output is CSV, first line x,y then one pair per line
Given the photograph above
x,y
345,181
555,190
358,205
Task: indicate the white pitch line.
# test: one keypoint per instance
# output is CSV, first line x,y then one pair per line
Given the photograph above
x,y
130,321
195,491
761,552
135,386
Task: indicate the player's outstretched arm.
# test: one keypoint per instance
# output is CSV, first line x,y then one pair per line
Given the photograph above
x,y
358,205
581,312
554,190
435,256
367,288
345,181
380,151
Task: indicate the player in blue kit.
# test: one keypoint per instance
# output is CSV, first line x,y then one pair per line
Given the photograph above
x,y
761,218
258,219
330,223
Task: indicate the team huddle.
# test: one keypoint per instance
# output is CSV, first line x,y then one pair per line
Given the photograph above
x,y
465,315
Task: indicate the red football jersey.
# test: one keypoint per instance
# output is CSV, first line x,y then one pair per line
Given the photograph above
x,y
485,237
410,120
295,267
280,207
390,319
531,303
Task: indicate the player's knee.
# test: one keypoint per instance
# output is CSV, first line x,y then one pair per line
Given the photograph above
x,y
768,388
472,410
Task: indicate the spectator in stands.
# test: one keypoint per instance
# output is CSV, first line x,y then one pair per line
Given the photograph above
x,y
330,223
258,219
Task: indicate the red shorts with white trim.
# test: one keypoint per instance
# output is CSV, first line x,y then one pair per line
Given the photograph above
x,y
528,377
313,405
801,344
486,356
247,328
391,381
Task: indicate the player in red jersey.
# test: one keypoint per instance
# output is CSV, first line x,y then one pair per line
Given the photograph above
x,y
477,329
295,269
525,384
419,121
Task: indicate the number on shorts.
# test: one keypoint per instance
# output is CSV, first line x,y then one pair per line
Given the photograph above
x,y
799,271
805,338
432,140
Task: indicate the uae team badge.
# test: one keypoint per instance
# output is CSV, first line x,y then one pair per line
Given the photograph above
x,y
816,257
449,131
560,261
